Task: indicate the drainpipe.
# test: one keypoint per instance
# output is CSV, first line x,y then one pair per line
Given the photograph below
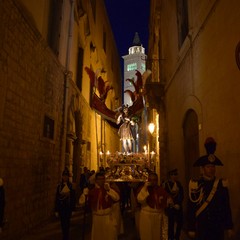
x,y
68,76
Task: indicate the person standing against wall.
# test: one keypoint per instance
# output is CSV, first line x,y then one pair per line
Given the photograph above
x,y
208,210
175,211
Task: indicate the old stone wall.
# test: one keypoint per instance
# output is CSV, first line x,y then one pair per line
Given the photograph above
x,y
31,118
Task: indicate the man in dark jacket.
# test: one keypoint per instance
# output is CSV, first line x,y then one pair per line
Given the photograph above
x,y
209,212
175,211
65,203
84,180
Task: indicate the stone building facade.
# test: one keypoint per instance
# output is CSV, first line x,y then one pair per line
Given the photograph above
x,y
46,122
196,47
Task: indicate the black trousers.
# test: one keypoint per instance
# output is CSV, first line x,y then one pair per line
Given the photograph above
x,y
208,232
65,216
175,217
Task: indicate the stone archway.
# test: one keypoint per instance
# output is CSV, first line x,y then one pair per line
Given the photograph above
x,y
191,143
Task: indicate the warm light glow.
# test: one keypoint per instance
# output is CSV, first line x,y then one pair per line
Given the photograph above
x,y
101,153
145,149
151,127
108,153
152,153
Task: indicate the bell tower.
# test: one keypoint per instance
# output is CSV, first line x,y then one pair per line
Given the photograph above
x,y
135,60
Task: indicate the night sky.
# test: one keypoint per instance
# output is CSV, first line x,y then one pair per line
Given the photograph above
x,y
126,18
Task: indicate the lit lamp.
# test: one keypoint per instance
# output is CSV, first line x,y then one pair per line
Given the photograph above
x,y
108,155
152,154
145,149
101,159
151,128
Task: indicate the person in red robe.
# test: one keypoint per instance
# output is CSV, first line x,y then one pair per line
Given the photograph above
x,y
153,224
100,200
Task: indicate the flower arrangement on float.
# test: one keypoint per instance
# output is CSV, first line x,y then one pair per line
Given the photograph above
x,y
119,157
127,167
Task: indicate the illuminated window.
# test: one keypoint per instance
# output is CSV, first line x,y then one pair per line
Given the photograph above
x,y
143,66
132,66
137,49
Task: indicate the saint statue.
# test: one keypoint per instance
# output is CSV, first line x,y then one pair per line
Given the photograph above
x,y
125,131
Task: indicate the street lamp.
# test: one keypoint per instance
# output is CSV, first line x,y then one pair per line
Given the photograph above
x,y
151,128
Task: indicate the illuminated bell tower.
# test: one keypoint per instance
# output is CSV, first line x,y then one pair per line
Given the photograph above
x,y
135,60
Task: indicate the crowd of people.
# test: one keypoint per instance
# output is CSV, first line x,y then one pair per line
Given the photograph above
x,y
157,207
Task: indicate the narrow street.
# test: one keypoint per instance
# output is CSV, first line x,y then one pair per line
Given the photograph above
x,y
80,229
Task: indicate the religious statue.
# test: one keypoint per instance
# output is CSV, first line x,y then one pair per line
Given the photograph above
x,y
125,131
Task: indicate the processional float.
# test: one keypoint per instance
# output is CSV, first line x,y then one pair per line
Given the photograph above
x,y
123,166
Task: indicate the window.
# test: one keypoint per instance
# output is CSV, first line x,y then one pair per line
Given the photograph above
x,y
182,21
79,69
48,127
55,25
137,49
143,66
132,66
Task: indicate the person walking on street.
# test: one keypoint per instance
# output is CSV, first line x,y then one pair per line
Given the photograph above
x,y
84,179
100,200
154,201
117,210
65,203
208,211
175,212
135,205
